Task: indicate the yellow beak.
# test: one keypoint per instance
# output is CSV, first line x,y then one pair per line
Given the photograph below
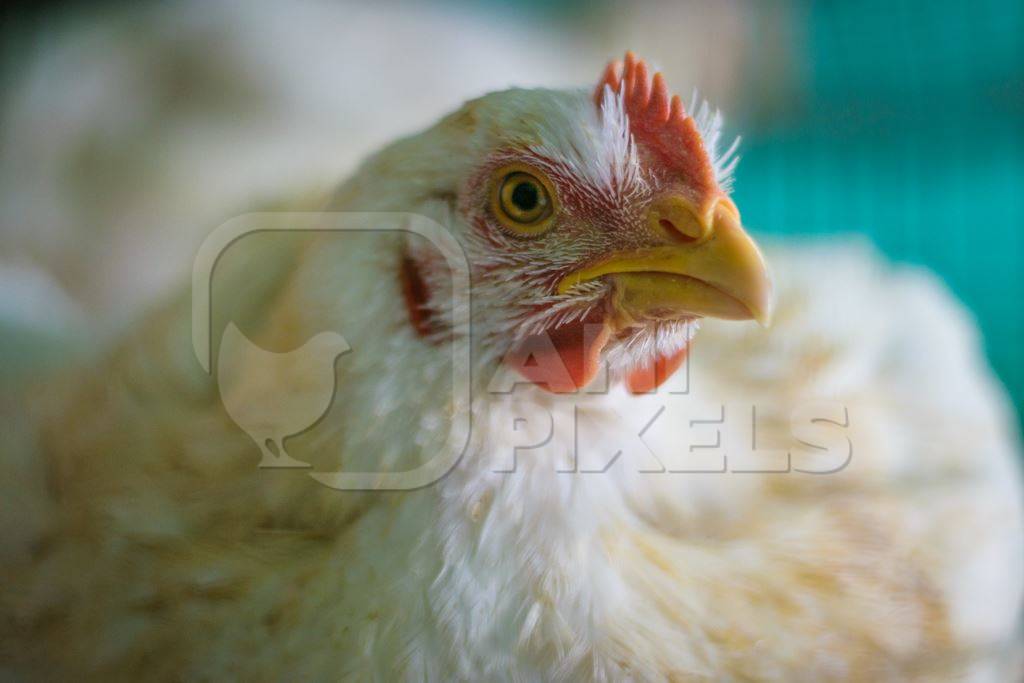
x,y
710,268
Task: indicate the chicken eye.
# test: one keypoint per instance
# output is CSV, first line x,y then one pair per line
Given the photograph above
x,y
523,202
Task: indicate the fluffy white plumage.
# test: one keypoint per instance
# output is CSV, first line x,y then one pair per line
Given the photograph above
x,y
151,545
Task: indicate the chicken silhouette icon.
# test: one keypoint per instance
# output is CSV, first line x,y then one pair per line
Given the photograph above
x,y
272,396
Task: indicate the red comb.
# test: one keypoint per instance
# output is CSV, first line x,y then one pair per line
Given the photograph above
x,y
659,122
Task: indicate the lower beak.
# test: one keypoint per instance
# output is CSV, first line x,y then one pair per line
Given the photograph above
x,y
720,274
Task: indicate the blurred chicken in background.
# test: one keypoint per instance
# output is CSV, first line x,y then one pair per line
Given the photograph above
x,y
126,138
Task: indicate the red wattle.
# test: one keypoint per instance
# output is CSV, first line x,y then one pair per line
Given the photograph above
x,y
565,359
645,379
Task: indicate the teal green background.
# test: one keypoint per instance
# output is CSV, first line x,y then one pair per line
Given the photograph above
x,y
905,124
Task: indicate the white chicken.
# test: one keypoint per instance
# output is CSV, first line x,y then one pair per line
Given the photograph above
x,y
777,510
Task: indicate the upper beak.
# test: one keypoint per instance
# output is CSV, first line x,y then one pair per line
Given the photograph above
x,y
708,266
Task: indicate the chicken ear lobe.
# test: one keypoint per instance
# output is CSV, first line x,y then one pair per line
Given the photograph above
x,y
417,298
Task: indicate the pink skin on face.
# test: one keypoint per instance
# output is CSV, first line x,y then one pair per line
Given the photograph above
x,y
566,358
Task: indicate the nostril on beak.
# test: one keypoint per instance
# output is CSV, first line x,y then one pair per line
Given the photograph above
x,y
675,233
675,219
